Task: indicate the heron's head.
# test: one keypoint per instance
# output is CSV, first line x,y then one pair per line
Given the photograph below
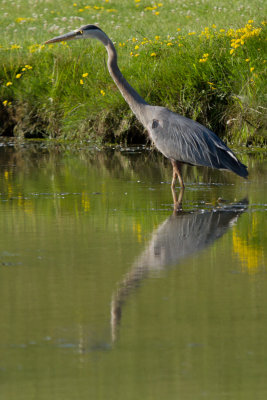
x,y
84,32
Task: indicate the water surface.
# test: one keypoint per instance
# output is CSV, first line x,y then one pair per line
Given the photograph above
x,y
107,294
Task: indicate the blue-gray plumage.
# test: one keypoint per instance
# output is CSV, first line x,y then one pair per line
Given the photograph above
x,y
180,139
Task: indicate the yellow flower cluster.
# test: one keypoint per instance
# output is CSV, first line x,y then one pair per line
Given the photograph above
x,y
35,47
239,36
15,47
153,8
206,33
212,85
6,103
84,75
17,76
93,8
204,58
22,20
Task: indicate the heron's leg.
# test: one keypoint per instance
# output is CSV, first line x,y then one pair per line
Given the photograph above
x,y
177,201
174,194
177,173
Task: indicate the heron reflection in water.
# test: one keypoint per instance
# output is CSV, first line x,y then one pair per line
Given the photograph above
x,y
178,237
180,139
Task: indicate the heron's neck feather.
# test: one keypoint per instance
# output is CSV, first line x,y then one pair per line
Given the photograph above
x,y
135,101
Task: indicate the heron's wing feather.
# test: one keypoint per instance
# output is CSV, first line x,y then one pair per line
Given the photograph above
x,y
187,141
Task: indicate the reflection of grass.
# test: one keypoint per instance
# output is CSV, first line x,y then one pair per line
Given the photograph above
x,y
54,182
249,249
197,62
61,180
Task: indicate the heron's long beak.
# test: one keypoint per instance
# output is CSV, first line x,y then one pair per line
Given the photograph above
x,y
63,38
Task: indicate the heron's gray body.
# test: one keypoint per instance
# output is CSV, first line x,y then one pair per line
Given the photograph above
x,y
180,139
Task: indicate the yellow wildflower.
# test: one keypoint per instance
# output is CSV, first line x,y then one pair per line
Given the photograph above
x,y
85,75
102,92
9,83
232,51
191,33
15,46
28,66
81,82
18,76
252,69
35,47
204,58
247,59
157,13
5,103
157,37
178,29
136,47
169,44
153,54
250,21
136,55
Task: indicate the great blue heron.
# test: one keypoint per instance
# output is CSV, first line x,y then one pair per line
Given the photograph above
x,y
178,138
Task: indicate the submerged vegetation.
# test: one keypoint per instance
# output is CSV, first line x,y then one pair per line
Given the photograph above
x,y
200,60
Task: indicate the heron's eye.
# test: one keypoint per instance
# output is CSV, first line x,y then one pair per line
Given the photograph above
x,y
80,32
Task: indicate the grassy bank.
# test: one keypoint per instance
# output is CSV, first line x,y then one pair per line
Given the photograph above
x,y
201,60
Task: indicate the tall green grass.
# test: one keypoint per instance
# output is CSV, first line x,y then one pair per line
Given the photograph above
x,y
202,60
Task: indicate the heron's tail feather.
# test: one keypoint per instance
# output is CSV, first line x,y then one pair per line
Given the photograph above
x,y
230,162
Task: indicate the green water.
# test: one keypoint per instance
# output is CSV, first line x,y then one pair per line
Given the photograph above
x,y
105,294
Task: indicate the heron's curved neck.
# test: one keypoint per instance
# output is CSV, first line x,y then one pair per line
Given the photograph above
x,y
135,101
